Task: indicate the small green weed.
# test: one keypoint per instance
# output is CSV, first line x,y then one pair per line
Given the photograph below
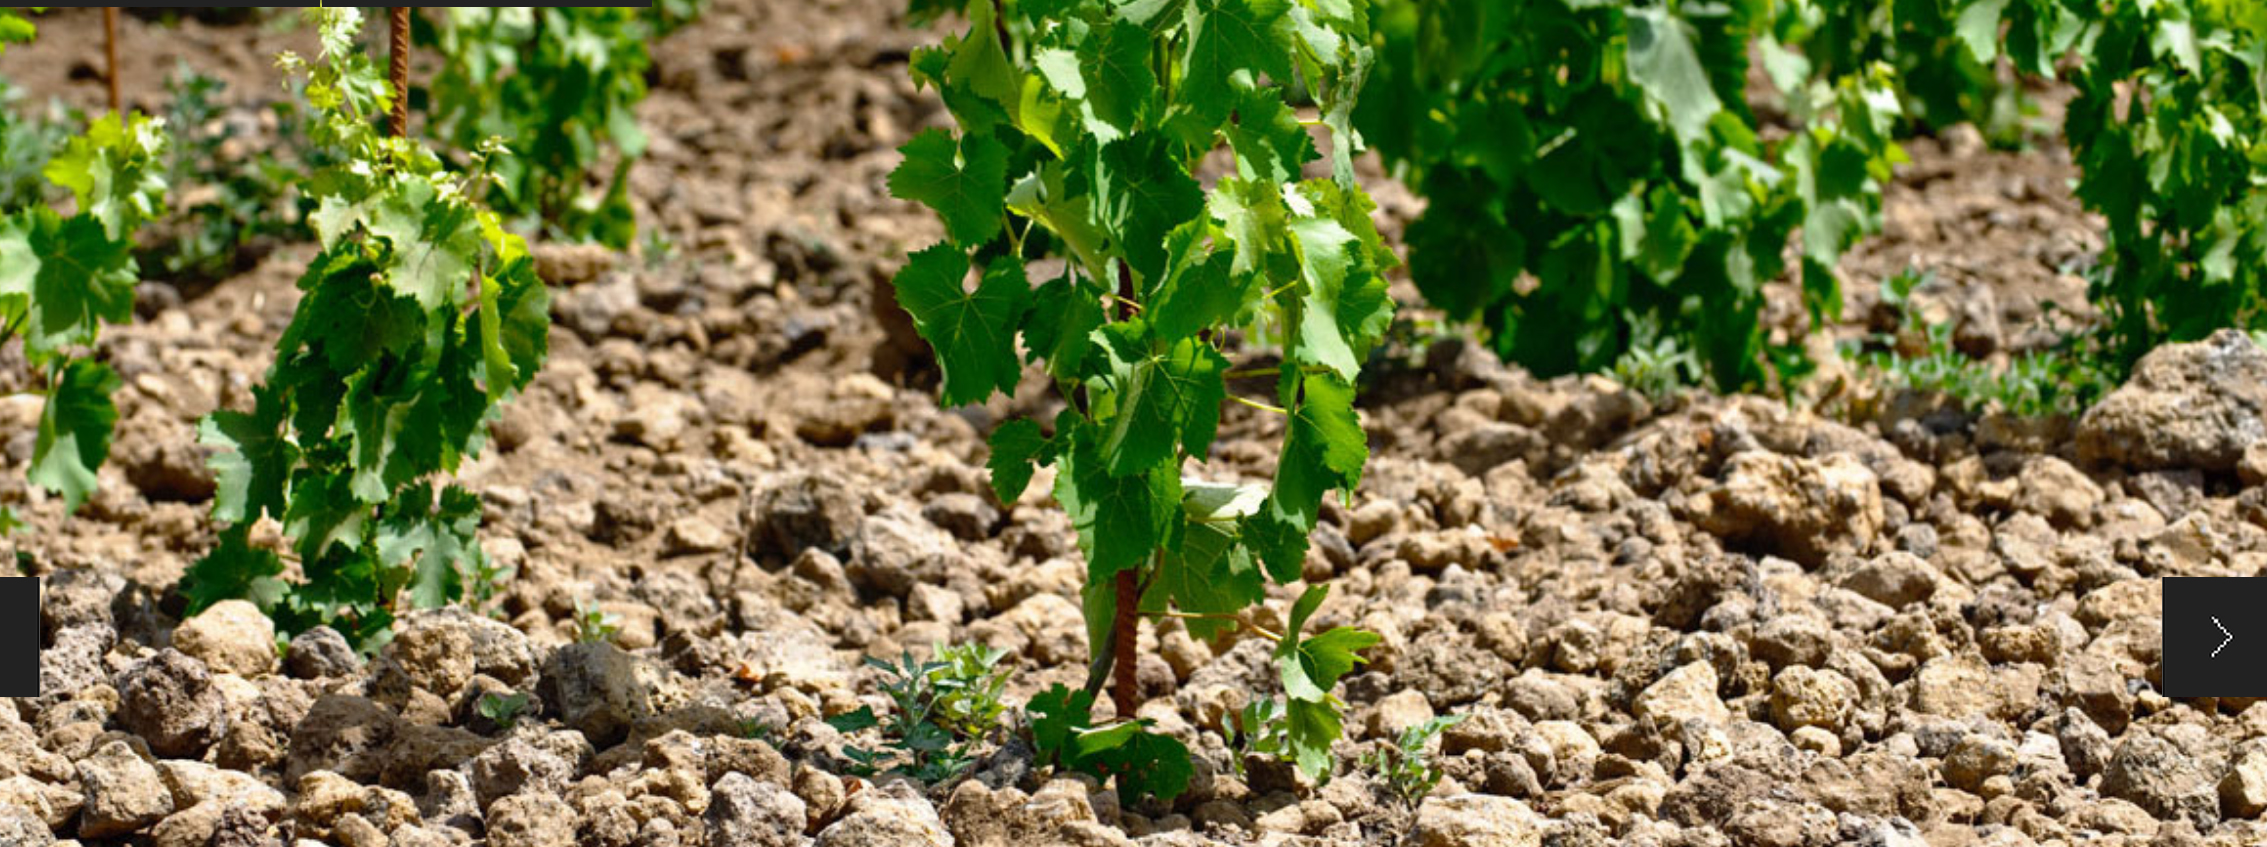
x,y
968,685
593,624
756,729
1406,766
485,582
1258,729
1656,364
503,710
2062,380
940,708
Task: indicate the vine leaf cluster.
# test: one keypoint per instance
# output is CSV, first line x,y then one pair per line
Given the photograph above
x,y
62,277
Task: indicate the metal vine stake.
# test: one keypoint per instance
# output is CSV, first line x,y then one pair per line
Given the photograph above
x,y
399,29
1125,623
110,56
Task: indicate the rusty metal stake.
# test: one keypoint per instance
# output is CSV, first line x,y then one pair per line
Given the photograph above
x,y
400,32
110,54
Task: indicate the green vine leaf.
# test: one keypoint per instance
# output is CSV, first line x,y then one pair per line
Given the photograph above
x,y
966,184
252,461
1016,446
74,430
115,172
1171,400
234,569
975,329
73,277
1120,519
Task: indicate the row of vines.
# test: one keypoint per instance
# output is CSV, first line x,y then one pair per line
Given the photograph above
x,y
422,311
1601,189
1610,152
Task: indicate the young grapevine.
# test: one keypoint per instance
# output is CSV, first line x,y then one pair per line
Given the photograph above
x,y
420,316
63,277
1606,150
2166,130
561,86
1083,125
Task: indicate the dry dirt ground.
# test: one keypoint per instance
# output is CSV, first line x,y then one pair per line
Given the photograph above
x,y
1706,621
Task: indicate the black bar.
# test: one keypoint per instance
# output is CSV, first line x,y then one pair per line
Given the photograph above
x,y
2215,636
19,636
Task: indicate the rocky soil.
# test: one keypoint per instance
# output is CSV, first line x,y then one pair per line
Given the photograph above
x,y
1707,621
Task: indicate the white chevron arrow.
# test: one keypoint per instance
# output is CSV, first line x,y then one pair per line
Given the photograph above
x,y
2226,637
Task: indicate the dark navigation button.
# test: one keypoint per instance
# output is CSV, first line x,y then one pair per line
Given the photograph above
x,y
19,636
2215,636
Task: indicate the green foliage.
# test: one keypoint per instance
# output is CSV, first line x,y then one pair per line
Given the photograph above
x,y
16,28
1942,81
1301,726
1310,667
593,624
27,141
1592,167
1656,366
483,582
968,684
1407,766
229,195
1260,728
2062,381
420,316
942,708
2035,384
561,86
503,710
62,278
2167,130
1082,127
1147,764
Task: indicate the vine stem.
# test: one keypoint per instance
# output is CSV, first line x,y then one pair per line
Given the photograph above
x,y
1259,405
110,57
399,30
1123,638
1125,693
1272,370
1264,632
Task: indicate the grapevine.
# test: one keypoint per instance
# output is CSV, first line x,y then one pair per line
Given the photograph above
x,y
561,86
421,315
1082,126
62,278
2166,130
1606,149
